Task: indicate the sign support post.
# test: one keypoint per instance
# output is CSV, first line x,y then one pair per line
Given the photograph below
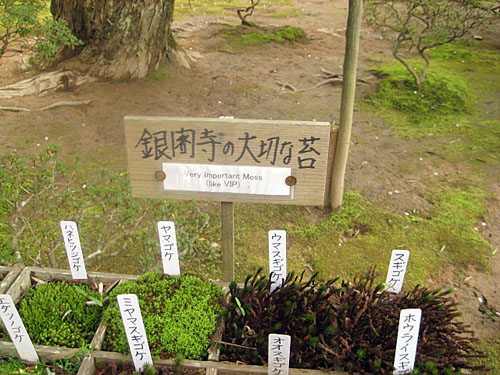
x,y
227,223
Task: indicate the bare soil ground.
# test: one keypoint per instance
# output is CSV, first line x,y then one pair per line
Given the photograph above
x,y
222,83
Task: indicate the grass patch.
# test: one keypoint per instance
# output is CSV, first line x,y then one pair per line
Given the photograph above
x,y
364,234
240,38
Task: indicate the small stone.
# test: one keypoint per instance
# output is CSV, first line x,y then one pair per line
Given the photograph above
x,y
478,37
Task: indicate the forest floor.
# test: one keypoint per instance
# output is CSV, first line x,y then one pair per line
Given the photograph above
x,y
387,169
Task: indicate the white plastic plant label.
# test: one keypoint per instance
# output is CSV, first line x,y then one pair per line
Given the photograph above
x,y
168,248
406,345
397,270
15,327
277,257
76,261
278,354
134,329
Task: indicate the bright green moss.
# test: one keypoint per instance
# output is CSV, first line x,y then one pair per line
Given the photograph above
x,y
57,314
180,313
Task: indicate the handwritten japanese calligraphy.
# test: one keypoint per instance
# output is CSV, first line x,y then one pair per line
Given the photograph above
x,y
173,142
226,179
397,270
278,354
277,257
15,327
406,345
168,248
134,329
76,261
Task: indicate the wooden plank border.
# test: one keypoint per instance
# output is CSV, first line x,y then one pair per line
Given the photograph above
x,y
12,274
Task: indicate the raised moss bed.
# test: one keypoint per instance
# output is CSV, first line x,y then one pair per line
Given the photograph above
x,y
180,315
342,326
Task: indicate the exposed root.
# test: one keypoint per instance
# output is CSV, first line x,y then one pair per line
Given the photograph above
x,y
51,106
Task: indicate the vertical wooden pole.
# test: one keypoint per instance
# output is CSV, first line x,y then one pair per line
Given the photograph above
x,y
227,221
347,102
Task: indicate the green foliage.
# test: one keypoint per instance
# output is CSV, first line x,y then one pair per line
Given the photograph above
x,y
491,348
56,314
20,20
38,191
180,314
12,366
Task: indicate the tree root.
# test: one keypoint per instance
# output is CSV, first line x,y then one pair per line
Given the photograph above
x,y
43,83
51,106
329,78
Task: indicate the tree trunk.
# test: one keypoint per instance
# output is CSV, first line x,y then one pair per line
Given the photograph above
x,y
123,39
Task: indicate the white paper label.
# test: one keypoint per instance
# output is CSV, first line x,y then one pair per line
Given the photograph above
x,y
406,345
74,250
15,327
397,270
279,354
277,257
168,248
134,329
226,179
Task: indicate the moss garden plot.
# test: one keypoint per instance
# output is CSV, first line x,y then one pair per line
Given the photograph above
x,y
11,366
343,326
180,314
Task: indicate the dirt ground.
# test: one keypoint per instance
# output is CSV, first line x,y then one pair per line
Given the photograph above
x,y
222,83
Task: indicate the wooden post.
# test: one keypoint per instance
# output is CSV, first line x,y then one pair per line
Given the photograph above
x,y
347,102
227,221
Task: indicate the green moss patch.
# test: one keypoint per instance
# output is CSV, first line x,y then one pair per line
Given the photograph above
x,y
11,366
57,314
180,314
239,38
363,234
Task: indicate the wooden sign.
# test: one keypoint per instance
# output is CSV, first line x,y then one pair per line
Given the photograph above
x,y
230,160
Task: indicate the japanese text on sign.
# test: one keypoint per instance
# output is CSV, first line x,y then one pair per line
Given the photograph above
x,y
397,270
277,257
406,345
169,144
226,179
134,329
74,250
15,327
279,354
168,248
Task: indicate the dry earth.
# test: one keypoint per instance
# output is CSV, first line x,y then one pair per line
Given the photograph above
x,y
222,83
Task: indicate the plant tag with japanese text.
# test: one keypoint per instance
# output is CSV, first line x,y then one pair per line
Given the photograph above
x,y
134,329
76,261
406,345
279,354
15,327
397,270
168,248
277,257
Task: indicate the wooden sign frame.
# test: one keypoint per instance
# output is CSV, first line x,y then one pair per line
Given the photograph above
x,y
306,147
